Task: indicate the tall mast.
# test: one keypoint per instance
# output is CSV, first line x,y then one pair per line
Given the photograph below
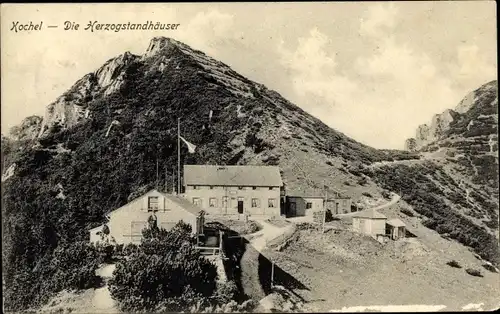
x,y
178,155
173,180
157,174
166,179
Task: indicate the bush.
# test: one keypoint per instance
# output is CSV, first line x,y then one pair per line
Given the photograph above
x,y
106,252
225,292
366,194
386,194
454,264
362,180
129,249
176,278
473,272
490,268
407,212
70,266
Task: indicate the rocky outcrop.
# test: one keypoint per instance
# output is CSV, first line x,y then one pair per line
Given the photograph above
x,y
445,123
411,145
427,134
71,107
27,130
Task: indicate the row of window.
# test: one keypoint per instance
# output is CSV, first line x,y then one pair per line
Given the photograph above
x,y
255,203
211,187
309,204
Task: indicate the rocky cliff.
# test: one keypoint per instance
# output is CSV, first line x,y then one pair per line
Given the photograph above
x,y
71,108
28,129
439,127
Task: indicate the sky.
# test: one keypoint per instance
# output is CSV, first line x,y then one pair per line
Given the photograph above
x,y
372,70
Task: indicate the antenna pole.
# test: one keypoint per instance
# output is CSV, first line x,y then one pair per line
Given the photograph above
x,y
178,155
173,180
166,179
157,175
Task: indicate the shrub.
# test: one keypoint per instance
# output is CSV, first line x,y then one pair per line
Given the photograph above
x,y
225,292
454,264
106,252
176,278
473,272
362,180
129,249
347,183
407,212
386,194
366,194
490,268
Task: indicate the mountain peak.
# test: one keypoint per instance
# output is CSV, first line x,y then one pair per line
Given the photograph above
x,y
159,43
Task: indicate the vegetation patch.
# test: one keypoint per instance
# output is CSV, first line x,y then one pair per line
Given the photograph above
x,y
473,272
427,200
454,264
177,277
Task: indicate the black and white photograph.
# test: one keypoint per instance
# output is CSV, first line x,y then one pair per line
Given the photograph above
x,y
291,157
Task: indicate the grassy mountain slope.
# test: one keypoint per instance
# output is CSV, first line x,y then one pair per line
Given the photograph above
x,y
457,178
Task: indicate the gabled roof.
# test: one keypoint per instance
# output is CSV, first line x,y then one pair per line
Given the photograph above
x,y
184,203
370,213
232,175
396,222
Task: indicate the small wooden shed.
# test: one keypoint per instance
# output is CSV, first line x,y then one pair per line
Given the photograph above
x,y
369,222
396,229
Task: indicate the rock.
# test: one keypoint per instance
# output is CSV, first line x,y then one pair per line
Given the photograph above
x,y
28,129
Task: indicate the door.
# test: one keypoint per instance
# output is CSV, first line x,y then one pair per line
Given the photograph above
x,y
293,209
240,207
336,208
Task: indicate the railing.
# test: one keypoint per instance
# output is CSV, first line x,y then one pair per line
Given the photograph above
x,y
207,249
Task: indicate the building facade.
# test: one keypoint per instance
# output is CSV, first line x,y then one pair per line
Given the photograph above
x,y
396,229
126,223
369,222
339,205
234,190
297,206
304,206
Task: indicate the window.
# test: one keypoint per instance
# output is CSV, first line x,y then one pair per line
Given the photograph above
x,y
240,188
212,202
271,203
309,205
197,201
345,203
224,201
153,203
255,202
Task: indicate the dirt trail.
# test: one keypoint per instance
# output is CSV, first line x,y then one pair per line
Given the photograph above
x,y
395,198
252,259
102,297
267,234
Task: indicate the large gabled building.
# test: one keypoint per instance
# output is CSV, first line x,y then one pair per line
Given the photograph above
x,y
235,190
125,224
